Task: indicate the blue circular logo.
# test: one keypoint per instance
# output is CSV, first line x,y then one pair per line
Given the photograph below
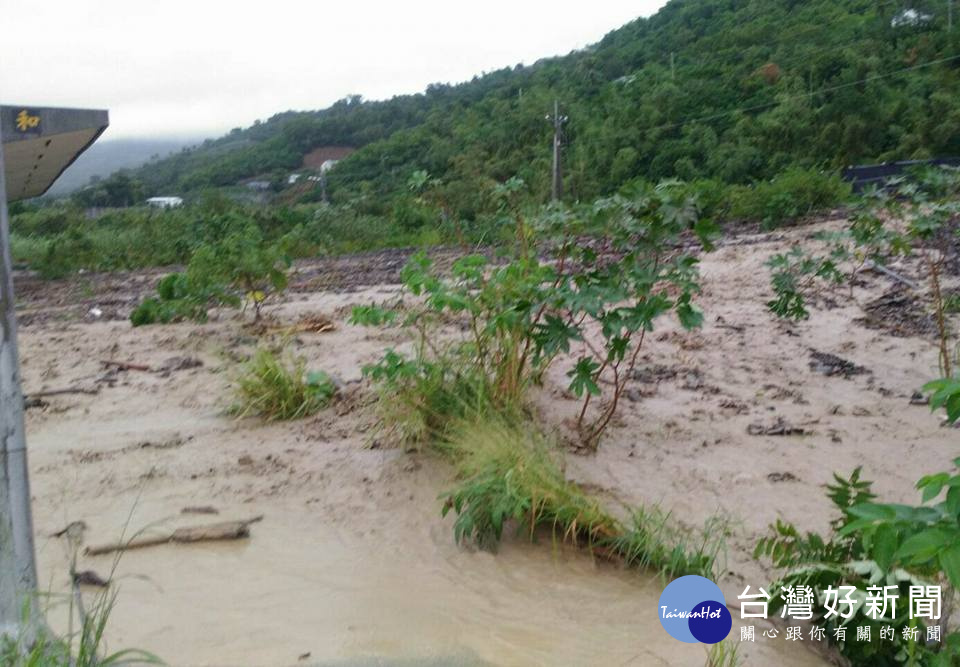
x,y
693,610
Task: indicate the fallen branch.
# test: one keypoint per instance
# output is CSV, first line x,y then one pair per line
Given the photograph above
x,y
125,366
225,530
873,266
58,392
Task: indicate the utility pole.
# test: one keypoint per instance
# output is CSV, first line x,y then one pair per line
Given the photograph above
x,y
18,573
556,190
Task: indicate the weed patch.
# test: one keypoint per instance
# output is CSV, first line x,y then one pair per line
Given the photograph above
x,y
277,388
513,474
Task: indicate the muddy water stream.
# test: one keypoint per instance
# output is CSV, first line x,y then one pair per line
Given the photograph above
x,y
300,586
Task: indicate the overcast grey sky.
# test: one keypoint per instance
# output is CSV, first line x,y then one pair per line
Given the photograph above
x,y
200,67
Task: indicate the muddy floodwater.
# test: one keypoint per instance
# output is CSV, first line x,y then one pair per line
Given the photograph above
x,y
301,586
352,563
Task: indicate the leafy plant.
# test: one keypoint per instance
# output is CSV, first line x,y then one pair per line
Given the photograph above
x,y
244,261
523,313
877,545
236,266
915,216
275,388
180,296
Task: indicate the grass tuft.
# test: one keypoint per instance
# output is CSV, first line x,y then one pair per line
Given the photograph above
x,y
277,388
512,473
723,654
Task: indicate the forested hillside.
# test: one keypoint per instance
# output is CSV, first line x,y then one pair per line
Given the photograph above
x,y
733,90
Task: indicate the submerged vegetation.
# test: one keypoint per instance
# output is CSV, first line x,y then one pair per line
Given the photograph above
x,y
469,396
879,549
882,548
757,128
512,473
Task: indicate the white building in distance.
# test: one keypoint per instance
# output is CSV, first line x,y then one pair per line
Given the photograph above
x,y
165,202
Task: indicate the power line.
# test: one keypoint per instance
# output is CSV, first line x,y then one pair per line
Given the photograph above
x,y
828,89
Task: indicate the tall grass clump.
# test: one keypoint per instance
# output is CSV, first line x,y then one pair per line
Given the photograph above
x,y
723,654
512,474
508,472
652,539
278,387
82,645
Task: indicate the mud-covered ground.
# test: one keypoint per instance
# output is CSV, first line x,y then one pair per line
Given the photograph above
x,y
748,417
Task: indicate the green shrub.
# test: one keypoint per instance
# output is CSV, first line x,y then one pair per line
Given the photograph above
x,y
277,388
877,545
238,267
793,194
518,316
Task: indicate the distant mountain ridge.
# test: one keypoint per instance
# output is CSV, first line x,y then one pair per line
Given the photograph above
x,y
732,90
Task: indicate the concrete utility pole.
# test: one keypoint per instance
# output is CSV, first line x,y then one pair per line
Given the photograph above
x,y
556,190
18,575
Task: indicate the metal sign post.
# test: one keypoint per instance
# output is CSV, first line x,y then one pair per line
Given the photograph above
x,y
18,575
42,143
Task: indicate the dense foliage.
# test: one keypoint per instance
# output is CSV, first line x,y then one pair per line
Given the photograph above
x,y
883,551
730,90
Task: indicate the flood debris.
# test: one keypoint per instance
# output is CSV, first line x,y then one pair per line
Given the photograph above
x,y
90,578
59,392
314,323
779,427
174,364
831,364
73,530
124,365
899,313
200,509
225,530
